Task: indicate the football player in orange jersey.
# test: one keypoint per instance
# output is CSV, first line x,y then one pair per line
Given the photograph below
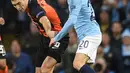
x,y
48,23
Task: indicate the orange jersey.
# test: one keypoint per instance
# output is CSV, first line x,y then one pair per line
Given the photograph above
x,y
38,8
51,14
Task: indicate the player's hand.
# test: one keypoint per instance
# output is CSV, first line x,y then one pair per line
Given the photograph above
x,y
2,21
51,41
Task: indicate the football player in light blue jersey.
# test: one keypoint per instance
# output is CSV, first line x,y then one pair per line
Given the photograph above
x,y
82,18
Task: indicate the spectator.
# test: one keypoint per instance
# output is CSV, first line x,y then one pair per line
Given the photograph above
x,y
115,12
28,39
107,50
23,23
70,53
116,42
62,10
120,10
106,46
97,7
72,47
126,22
20,62
100,52
106,5
126,50
104,21
100,65
106,43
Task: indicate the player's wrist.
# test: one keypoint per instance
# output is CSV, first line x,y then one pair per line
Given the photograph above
x,y
56,32
50,34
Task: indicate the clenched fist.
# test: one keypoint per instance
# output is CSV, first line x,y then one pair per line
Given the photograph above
x,y
2,21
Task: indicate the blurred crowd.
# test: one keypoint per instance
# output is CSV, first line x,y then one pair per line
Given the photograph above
x,y
21,37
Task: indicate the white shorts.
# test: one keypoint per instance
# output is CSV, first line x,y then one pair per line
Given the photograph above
x,y
89,46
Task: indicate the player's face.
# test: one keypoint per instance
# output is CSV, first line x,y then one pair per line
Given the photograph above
x,y
20,5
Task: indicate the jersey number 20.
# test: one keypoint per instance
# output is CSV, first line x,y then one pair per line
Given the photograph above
x,y
84,44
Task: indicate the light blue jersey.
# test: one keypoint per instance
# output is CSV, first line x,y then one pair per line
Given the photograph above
x,y
82,17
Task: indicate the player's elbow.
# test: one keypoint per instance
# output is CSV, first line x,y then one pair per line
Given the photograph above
x,y
45,23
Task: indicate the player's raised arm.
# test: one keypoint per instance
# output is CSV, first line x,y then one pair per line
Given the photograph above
x,y
74,12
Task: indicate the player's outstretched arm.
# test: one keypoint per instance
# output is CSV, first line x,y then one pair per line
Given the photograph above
x,y
77,4
47,26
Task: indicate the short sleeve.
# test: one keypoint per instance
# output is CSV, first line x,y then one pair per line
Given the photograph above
x,y
37,11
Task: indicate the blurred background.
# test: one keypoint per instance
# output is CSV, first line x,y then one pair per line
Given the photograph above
x,y
20,35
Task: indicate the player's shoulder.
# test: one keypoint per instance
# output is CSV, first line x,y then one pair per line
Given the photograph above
x,y
34,8
32,3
